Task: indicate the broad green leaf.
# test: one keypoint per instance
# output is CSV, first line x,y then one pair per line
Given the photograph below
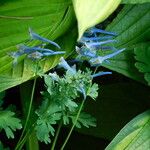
x,y
10,80
116,105
134,1
51,19
9,123
143,60
133,27
135,135
2,95
92,12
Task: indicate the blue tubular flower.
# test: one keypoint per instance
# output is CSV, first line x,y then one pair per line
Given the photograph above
x,y
27,50
83,51
95,30
100,74
87,39
82,91
98,44
91,43
35,55
35,36
54,76
100,59
36,52
66,66
53,53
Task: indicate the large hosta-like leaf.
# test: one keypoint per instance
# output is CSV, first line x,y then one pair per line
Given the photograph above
x,y
49,18
134,1
133,27
143,60
92,12
134,136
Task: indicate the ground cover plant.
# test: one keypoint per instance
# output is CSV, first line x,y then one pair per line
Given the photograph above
x,y
74,67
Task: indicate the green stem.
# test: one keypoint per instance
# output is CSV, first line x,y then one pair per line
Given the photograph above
x,y
95,70
28,114
78,114
56,136
22,141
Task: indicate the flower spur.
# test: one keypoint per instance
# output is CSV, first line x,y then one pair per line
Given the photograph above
x,y
73,72
91,43
35,36
36,52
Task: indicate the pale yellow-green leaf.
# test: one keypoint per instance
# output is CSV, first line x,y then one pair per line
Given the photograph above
x,y
49,18
92,12
134,136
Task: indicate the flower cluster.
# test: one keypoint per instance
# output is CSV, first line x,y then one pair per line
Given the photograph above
x,y
36,52
73,70
91,43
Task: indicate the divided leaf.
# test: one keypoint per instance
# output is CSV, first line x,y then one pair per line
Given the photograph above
x,y
143,60
93,91
48,116
9,123
84,119
135,135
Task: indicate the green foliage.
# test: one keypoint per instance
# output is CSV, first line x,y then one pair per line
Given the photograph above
x,y
89,13
9,123
48,115
132,27
111,105
143,60
85,119
55,20
134,1
46,20
135,135
60,102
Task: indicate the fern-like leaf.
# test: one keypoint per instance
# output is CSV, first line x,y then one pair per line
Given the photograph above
x,y
84,119
9,123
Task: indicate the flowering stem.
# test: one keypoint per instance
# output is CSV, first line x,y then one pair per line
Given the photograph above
x,y
78,114
22,141
28,114
56,136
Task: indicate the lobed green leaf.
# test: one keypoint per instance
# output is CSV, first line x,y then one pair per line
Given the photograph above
x,y
9,123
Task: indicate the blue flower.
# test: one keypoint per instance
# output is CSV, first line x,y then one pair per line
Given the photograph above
x,y
36,52
66,66
54,76
88,39
100,59
82,91
35,36
98,44
84,51
100,74
94,30
91,42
